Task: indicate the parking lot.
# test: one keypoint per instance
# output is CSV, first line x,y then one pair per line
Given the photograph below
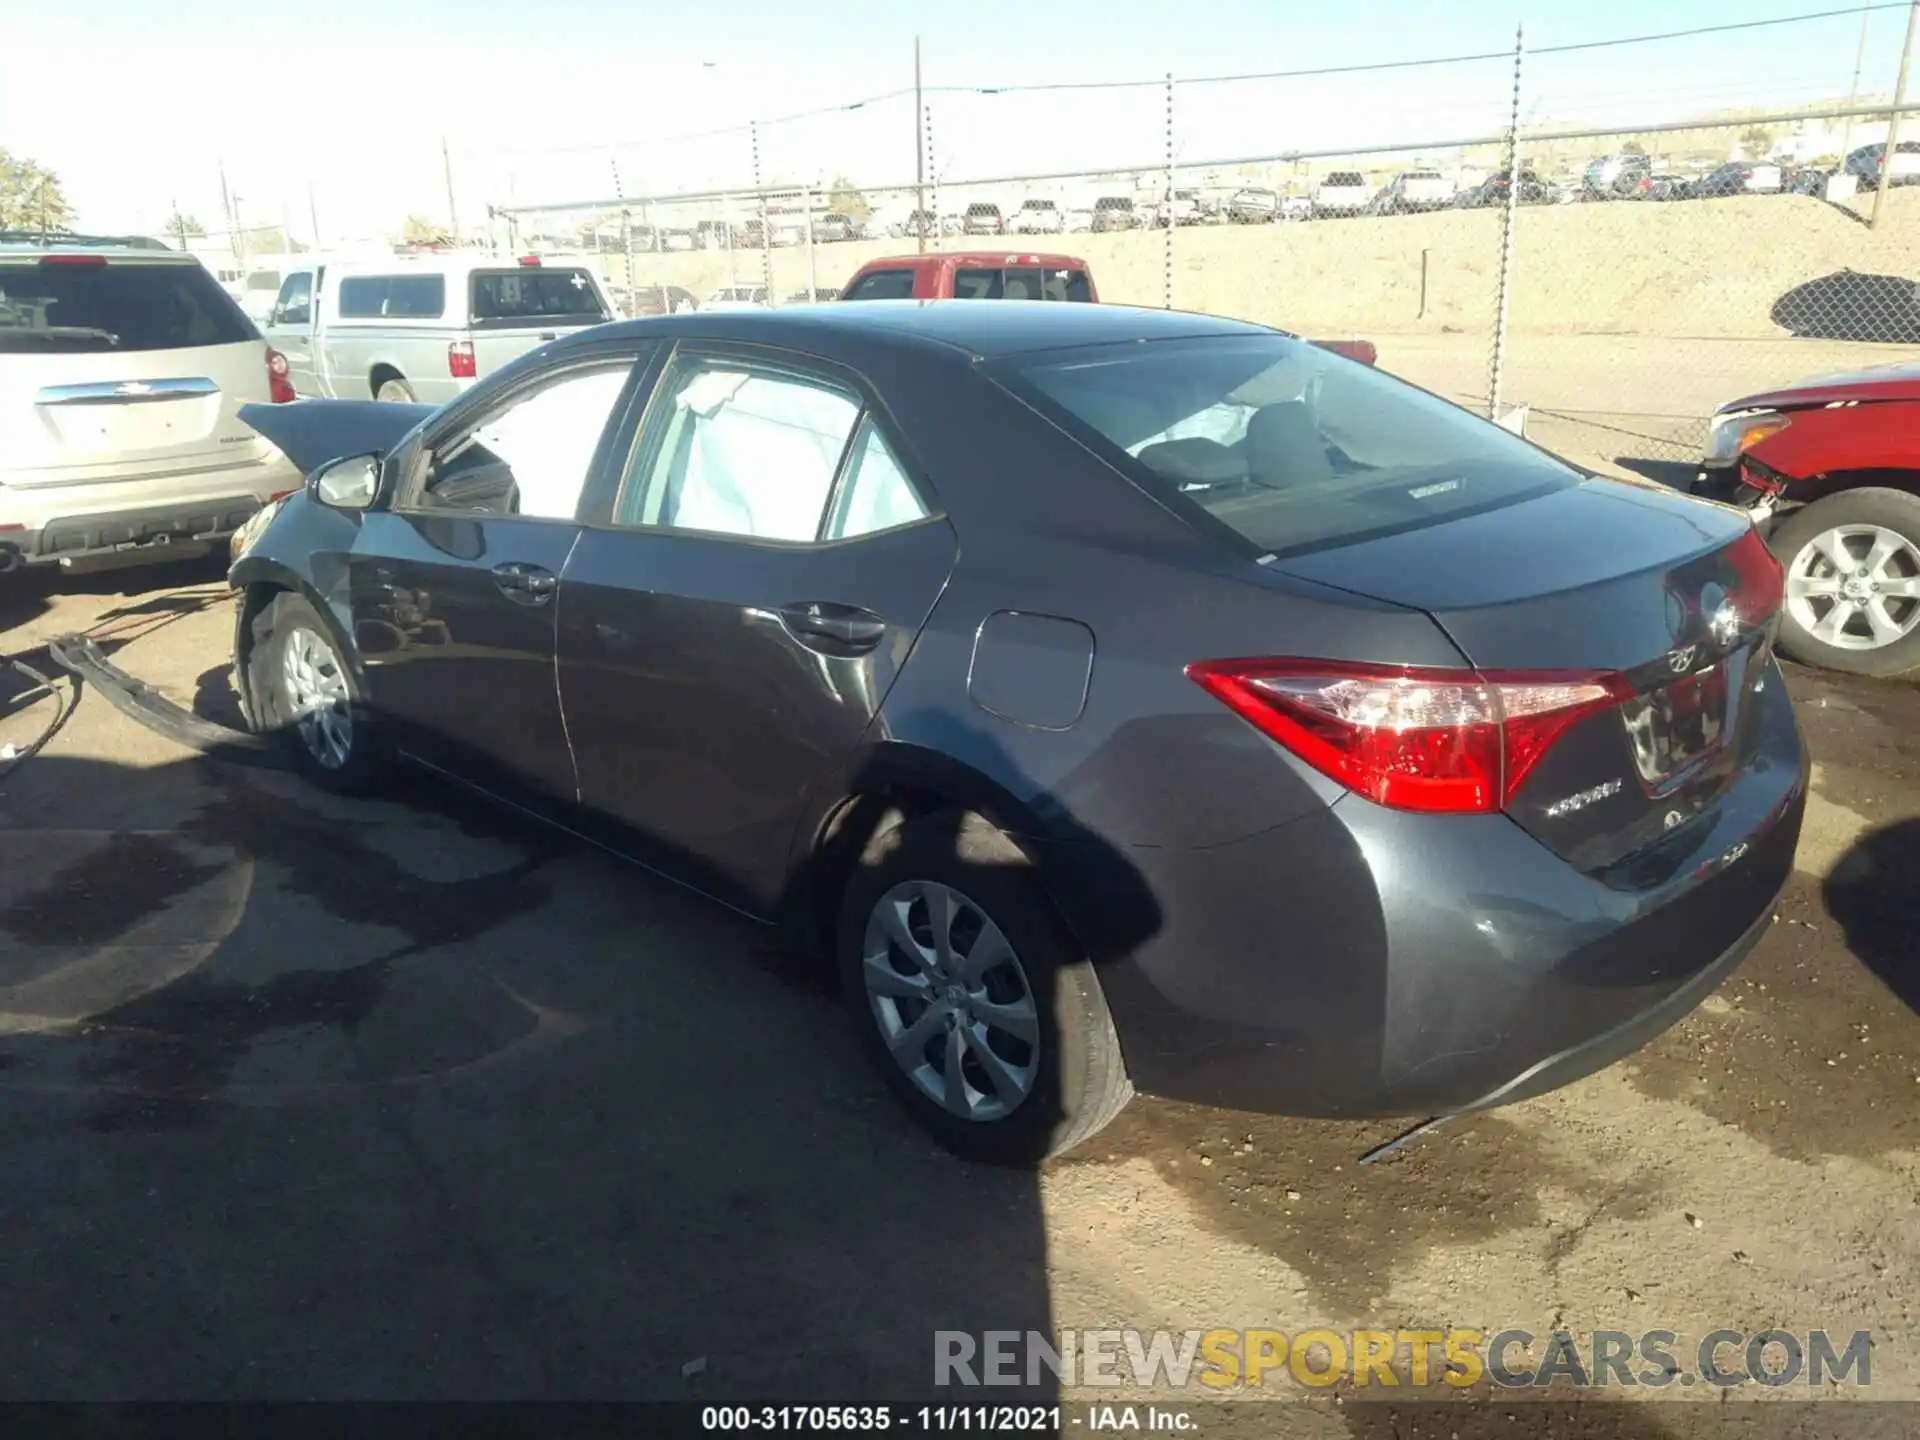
x,y
406,1099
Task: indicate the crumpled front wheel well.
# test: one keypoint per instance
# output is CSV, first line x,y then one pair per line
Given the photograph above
x,y
253,601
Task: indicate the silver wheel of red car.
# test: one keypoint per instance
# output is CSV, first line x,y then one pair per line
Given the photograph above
x,y
1852,565
1856,586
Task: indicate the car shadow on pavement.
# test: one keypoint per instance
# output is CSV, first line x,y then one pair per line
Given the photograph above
x,y
401,1098
1874,893
1675,474
1848,305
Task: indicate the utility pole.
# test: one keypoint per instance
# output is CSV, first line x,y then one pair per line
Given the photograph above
x,y
180,224
919,154
453,214
1496,368
233,215
313,215
1859,64
1884,181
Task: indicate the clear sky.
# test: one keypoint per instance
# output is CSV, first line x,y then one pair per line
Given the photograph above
x,y
139,106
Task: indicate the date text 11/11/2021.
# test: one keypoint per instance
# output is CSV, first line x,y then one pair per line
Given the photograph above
x,y
946,1419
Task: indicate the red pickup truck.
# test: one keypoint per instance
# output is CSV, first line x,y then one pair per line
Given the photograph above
x,y
996,275
972,275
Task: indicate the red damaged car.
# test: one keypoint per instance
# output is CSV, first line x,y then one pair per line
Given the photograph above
x,y
1831,469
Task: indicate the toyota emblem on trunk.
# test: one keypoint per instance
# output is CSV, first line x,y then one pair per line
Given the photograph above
x,y
1681,660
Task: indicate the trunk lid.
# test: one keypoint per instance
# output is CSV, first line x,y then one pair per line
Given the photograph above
x,y
312,432
1668,597
122,368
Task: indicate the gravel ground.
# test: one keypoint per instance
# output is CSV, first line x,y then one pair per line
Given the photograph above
x,y
400,1098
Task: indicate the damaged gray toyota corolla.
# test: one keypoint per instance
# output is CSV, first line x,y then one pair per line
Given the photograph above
x,y
1120,698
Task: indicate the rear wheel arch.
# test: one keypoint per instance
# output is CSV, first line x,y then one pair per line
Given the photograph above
x,y
892,786
380,374
1835,482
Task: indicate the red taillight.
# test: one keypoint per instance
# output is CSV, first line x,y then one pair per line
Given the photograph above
x,y
529,259
1760,583
90,261
460,360
279,387
1442,741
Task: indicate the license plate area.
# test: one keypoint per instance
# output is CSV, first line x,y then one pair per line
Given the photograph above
x,y
1675,727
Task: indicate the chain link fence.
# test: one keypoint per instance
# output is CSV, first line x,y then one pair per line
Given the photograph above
x,y
1573,237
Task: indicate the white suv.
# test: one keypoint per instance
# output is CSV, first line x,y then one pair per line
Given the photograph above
x,y
123,366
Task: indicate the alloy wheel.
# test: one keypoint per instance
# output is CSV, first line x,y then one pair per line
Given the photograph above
x,y
1856,587
317,696
952,1000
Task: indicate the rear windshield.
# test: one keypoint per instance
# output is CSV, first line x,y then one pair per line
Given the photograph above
x,y
529,294
1345,177
1287,446
883,285
393,297
120,306
1021,282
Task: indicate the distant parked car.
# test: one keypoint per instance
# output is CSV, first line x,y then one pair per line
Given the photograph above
x,y
1114,212
1493,191
983,219
1077,222
1803,180
1741,178
736,297
656,300
1182,209
1868,162
834,227
1830,469
1252,206
1343,192
1295,207
1037,217
1618,177
1415,190
1668,186
678,240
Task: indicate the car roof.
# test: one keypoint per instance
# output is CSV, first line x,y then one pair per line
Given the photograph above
x,y
130,247
448,262
982,328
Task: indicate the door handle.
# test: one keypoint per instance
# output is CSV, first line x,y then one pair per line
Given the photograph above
x,y
526,584
843,625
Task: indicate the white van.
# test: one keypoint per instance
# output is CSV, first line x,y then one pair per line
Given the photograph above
x,y
424,327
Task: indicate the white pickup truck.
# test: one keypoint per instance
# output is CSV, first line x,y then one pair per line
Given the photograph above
x,y
423,328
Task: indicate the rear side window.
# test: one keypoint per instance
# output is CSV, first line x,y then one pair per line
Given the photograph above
x,y
530,295
115,307
1287,446
411,297
882,285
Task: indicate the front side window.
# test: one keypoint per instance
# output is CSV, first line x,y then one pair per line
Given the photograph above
x,y
738,450
530,456
294,304
1289,446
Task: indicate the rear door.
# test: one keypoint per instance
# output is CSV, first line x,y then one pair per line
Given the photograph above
x,y
728,636
122,368
517,308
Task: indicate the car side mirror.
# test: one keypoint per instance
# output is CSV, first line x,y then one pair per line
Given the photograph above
x,y
348,484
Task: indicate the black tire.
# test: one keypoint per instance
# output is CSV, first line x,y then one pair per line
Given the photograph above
x,y
392,389
274,628
1080,1081
1893,510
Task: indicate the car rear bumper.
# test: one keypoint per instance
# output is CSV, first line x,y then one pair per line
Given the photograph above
x,y
137,518
1367,962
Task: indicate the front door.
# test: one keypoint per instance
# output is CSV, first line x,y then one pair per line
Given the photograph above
x,y
454,588
727,638
289,330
